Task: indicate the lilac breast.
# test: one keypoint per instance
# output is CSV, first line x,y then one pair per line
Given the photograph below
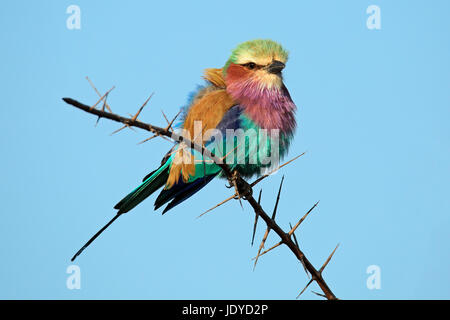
x,y
269,108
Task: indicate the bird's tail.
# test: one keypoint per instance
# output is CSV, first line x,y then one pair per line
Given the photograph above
x,y
153,182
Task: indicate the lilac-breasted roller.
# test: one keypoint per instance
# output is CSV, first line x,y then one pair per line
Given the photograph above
x,y
243,113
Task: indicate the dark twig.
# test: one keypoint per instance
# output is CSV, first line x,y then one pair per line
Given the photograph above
x,y
285,237
270,222
148,127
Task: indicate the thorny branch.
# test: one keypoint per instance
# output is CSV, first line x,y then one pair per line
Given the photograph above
x,y
242,188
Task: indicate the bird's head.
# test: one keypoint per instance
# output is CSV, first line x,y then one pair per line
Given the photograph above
x,y
257,64
253,78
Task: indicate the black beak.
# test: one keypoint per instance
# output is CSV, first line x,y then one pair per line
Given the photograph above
x,y
275,67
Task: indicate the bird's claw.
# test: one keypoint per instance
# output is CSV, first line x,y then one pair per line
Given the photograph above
x,y
242,188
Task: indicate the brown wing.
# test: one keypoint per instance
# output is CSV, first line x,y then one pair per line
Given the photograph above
x,y
208,107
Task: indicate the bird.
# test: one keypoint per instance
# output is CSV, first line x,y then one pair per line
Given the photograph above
x,y
247,95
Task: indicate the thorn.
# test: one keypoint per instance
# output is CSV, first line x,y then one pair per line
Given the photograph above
x,y
120,129
310,281
103,109
204,161
102,97
328,260
171,122
270,249
319,294
303,218
240,201
261,246
256,218
274,170
301,260
154,136
164,115
104,102
278,199
295,238
165,138
142,107
226,156
133,118
148,99
98,93
217,205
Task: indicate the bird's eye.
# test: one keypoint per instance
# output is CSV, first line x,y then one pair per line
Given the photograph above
x,y
251,65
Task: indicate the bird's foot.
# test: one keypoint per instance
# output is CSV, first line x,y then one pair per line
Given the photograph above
x,y
242,188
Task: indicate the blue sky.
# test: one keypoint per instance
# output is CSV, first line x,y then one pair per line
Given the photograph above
x,y
373,115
